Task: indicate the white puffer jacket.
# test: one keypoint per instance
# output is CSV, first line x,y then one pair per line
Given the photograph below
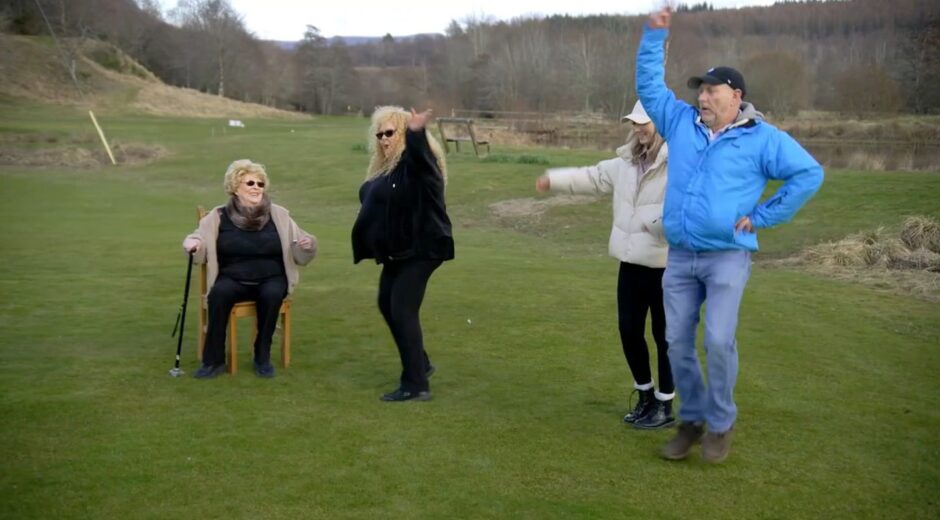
x,y
637,233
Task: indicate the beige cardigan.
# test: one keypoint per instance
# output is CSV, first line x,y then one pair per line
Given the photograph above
x,y
636,235
287,230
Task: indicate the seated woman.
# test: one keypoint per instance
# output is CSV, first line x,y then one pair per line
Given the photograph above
x,y
252,249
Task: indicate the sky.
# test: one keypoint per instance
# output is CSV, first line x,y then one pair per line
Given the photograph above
x,y
287,19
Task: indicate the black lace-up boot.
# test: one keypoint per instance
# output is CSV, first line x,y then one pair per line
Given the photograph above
x,y
659,416
642,407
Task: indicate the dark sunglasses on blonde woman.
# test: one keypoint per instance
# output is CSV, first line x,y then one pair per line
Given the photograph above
x,y
387,133
252,183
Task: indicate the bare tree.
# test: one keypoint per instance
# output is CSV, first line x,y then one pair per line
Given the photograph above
x,y
218,23
327,80
867,89
776,83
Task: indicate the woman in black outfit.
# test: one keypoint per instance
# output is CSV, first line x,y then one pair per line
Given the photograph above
x,y
403,225
251,249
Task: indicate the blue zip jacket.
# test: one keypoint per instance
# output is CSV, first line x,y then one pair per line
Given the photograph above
x,y
713,184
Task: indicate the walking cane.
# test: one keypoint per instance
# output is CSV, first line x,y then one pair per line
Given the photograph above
x,y
181,320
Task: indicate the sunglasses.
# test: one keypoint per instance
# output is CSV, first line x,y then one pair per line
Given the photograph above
x,y
252,183
387,133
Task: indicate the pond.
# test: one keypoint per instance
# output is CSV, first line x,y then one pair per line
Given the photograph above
x,y
871,156
831,154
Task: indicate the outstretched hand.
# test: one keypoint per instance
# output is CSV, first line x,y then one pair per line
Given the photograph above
x,y
419,120
661,19
543,184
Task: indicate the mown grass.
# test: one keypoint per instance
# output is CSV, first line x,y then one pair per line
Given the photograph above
x,y
838,390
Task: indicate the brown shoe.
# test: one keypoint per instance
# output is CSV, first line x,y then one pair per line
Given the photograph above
x,y
689,435
716,446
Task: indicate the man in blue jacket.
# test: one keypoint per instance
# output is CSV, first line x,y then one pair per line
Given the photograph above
x,y
722,153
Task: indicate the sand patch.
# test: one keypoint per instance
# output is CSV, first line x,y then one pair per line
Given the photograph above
x,y
80,157
532,208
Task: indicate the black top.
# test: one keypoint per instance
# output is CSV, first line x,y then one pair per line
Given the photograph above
x,y
249,256
403,214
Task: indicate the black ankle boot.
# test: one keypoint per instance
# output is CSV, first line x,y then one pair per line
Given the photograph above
x,y
659,416
642,406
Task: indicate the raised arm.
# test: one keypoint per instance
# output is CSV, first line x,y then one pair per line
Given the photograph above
x,y
660,103
417,148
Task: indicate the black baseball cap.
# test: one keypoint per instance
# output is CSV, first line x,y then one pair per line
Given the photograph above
x,y
719,76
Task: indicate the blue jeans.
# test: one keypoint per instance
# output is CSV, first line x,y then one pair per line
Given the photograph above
x,y
717,279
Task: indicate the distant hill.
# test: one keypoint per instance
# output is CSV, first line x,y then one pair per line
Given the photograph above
x,y
355,40
31,68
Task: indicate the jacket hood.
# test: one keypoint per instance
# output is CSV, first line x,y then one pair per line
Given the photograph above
x,y
748,113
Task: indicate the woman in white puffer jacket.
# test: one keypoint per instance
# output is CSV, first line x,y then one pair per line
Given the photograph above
x,y
637,179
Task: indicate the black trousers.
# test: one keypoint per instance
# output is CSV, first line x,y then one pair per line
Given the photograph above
x,y
225,293
640,289
401,291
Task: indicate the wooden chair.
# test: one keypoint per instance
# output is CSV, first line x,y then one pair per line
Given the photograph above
x,y
240,310
467,126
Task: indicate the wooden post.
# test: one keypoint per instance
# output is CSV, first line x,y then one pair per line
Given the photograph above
x,y
440,128
103,140
473,137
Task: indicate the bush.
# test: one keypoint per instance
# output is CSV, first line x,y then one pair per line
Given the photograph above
x,y
518,159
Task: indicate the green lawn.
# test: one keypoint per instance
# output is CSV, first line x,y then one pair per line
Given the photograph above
x,y
838,390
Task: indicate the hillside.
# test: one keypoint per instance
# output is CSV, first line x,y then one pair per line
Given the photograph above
x,y
31,68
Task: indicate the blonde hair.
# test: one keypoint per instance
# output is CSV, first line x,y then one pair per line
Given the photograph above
x,y
381,164
238,170
646,152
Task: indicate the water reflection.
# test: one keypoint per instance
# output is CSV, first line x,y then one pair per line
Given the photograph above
x,y
842,155
865,156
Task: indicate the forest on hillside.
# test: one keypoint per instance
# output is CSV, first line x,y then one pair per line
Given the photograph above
x,y
854,56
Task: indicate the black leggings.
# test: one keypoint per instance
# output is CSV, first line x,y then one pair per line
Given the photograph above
x,y
640,288
225,293
401,291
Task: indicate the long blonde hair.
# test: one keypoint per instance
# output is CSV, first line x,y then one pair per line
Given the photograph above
x,y
646,153
381,164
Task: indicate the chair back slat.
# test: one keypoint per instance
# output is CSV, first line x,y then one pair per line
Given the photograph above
x,y
203,282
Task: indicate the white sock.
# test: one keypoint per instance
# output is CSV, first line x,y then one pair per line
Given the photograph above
x,y
664,397
647,386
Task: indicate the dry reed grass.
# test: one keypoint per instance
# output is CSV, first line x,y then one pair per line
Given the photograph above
x,y
832,126
907,261
921,232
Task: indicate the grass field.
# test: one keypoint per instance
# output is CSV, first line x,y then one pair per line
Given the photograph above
x,y
838,391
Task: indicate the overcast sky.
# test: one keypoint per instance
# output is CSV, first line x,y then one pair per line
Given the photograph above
x,y
287,19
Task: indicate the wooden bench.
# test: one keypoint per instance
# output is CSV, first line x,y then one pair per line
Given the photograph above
x,y
470,135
